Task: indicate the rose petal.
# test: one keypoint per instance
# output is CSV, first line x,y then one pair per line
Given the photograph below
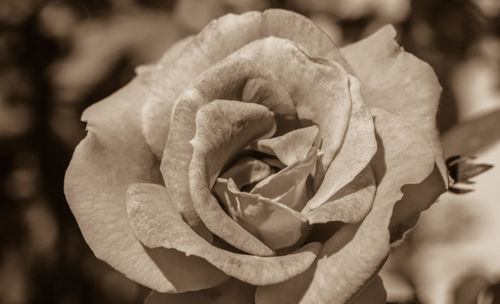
x,y
148,74
103,165
215,42
319,88
273,162
350,204
224,80
231,292
357,150
223,128
273,95
399,83
458,237
291,147
353,254
290,185
185,273
157,224
417,196
273,223
248,170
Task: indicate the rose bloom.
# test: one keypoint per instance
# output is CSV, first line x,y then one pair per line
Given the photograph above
x,y
257,162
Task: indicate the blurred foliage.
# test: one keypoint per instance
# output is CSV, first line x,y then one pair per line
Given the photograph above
x,y
58,57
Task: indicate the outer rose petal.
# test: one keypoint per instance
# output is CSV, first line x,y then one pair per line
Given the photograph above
x,y
113,155
157,224
231,292
399,83
353,254
217,41
458,237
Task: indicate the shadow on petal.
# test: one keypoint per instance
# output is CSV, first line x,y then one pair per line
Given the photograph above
x,y
416,198
185,273
290,291
231,292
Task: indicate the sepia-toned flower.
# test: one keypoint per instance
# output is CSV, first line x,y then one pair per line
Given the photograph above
x,y
257,162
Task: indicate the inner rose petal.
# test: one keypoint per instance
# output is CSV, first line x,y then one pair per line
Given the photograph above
x,y
275,224
291,185
291,147
224,128
248,170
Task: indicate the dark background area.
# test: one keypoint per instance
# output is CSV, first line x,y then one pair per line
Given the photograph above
x,y
58,57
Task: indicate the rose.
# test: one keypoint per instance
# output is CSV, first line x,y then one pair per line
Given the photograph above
x,y
161,186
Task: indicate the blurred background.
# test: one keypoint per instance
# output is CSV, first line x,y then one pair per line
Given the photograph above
x,y
58,57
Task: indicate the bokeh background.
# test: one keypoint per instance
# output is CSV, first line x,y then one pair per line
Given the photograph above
x,y
58,57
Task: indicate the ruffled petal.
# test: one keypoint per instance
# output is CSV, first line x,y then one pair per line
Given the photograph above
x,y
215,42
350,205
275,224
356,151
111,156
156,223
399,83
223,128
231,292
291,186
355,253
